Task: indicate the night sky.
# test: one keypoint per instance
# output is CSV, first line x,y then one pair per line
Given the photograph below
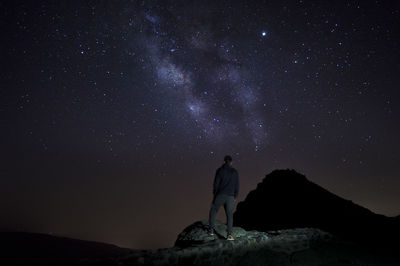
x,y
115,115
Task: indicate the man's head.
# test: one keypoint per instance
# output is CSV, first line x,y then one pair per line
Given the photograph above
x,y
228,159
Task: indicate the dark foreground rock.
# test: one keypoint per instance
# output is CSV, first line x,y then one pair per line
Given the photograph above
x,y
301,246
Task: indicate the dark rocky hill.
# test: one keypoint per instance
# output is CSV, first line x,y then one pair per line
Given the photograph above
x,y
286,199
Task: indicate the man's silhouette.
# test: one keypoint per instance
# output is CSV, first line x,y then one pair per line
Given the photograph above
x,y
225,190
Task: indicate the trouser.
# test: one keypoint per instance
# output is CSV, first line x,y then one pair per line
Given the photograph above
x,y
228,202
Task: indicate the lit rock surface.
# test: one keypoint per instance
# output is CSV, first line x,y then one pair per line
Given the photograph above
x,y
287,241
300,246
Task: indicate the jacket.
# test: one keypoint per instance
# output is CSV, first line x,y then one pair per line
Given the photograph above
x,y
226,181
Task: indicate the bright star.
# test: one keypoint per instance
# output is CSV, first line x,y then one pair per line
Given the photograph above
x,y
264,33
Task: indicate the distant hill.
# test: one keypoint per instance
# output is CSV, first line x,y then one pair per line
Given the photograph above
x,y
287,199
22,248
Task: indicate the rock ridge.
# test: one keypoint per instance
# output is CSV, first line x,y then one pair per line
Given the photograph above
x,y
194,246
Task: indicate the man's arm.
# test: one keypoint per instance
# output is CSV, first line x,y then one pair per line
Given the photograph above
x,y
217,180
236,186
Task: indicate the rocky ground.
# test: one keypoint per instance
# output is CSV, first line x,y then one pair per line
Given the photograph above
x,y
301,246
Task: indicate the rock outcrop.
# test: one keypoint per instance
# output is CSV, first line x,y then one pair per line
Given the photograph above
x,y
286,199
298,246
286,241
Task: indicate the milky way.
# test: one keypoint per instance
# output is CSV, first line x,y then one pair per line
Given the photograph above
x,y
204,73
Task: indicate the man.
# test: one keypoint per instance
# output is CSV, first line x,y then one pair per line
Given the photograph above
x,y
225,190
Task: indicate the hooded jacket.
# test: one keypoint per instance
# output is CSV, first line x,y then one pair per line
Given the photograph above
x,y
226,181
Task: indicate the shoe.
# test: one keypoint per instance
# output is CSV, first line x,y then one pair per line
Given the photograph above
x,y
230,237
211,232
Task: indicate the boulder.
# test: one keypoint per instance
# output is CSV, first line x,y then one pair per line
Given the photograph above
x,y
197,233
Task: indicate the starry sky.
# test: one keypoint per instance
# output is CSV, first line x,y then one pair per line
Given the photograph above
x,y
116,114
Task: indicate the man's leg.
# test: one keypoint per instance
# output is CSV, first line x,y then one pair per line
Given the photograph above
x,y
216,204
229,204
